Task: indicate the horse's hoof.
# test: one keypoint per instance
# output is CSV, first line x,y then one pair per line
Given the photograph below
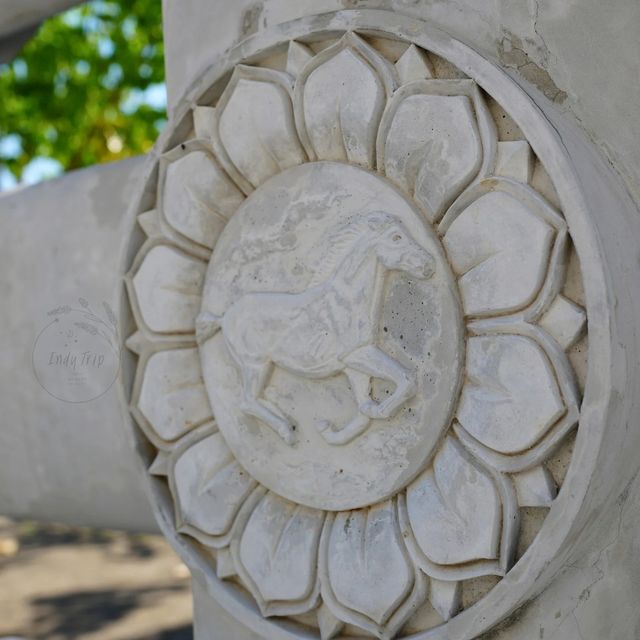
x,y
371,409
330,434
387,410
378,410
288,434
324,425
289,438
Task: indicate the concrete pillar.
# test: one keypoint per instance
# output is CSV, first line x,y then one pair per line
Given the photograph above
x,y
567,574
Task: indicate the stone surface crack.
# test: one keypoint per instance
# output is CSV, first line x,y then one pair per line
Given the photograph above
x,y
585,594
512,53
546,51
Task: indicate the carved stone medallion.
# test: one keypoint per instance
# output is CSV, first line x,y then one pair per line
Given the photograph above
x,y
359,316
340,343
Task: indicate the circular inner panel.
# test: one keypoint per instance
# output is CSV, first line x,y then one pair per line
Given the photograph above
x,y
336,341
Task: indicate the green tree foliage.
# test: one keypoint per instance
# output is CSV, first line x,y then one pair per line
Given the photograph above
x,y
86,89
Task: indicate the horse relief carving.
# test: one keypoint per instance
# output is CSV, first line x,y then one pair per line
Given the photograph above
x,y
327,329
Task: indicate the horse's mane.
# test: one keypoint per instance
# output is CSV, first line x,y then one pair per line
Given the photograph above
x,y
340,242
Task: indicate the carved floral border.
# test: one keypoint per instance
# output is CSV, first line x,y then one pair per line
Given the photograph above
x,y
540,325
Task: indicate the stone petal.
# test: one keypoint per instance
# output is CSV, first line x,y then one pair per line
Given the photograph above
x,y
136,342
256,126
298,56
367,566
499,248
204,122
565,321
210,487
510,398
340,96
150,223
430,142
172,395
225,566
414,65
454,509
197,197
535,487
160,464
276,555
167,287
514,160
445,596
329,625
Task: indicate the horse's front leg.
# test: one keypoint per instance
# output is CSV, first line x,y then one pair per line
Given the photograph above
x,y
360,385
378,364
254,380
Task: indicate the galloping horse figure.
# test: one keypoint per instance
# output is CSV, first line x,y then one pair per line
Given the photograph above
x,y
328,328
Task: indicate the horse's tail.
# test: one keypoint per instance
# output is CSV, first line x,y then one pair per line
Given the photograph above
x,y
207,325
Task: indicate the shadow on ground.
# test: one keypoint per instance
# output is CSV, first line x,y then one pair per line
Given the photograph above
x,y
179,633
72,583
32,534
71,615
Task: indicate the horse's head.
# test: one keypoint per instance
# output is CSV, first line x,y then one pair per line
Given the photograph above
x,y
395,247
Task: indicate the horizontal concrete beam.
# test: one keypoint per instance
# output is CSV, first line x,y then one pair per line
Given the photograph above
x,y
11,45
61,461
18,15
